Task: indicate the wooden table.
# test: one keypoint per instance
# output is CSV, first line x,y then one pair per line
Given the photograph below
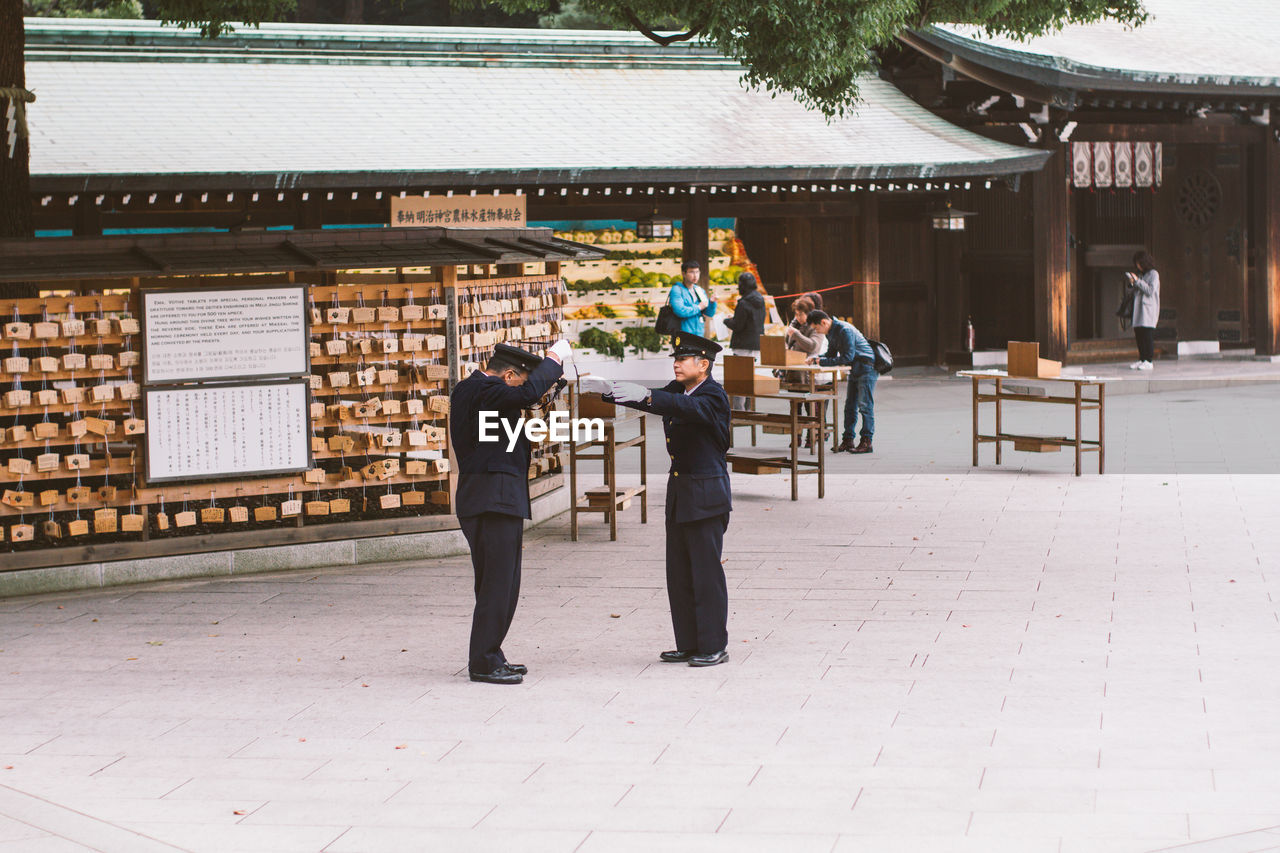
x,y
608,454
796,424
808,384
1039,443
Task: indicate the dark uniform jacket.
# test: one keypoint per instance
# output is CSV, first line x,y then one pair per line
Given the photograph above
x,y
697,428
489,478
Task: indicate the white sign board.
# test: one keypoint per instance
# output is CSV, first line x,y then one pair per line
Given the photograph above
x,y
235,333
464,211
208,431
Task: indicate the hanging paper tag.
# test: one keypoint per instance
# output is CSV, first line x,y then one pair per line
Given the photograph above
x,y
73,361
413,498
315,475
106,494
135,426
46,397
45,429
391,501
388,314
129,391
100,426
212,515
47,364
79,494
72,395
78,527
335,346
17,364
46,462
412,343
128,326
238,514
339,505
103,393
290,508
362,315
101,361
439,404
413,406
415,467
77,461
412,312
391,407
19,466
337,315
22,533
45,330
51,529
388,377
17,397
101,327
162,521
389,344
185,519
131,523
128,358
71,328
316,507
77,428
49,497
264,513
17,331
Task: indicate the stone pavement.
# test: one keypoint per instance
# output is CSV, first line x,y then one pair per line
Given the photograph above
x,y
933,658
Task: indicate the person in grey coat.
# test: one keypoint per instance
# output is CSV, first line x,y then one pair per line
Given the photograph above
x,y
1146,308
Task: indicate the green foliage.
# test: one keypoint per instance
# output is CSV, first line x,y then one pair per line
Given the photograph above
x,y
601,341
642,338
215,17
82,8
816,50
644,309
605,311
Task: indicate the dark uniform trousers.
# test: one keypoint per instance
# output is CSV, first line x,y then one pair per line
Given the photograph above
x,y
696,586
496,541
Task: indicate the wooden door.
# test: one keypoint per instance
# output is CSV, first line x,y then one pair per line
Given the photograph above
x,y
1199,242
908,319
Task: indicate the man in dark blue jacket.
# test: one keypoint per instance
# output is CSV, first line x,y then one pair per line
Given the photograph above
x,y
695,417
493,491
847,345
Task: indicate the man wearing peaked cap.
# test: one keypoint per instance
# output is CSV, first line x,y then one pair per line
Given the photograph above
x,y
695,418
493,492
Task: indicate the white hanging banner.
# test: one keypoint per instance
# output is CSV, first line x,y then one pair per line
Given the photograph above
x,y
1157,158
1124,165
1081,165
1102,165
1143,169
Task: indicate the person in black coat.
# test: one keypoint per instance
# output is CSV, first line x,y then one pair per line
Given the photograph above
x,y
746,325
493,491
695,418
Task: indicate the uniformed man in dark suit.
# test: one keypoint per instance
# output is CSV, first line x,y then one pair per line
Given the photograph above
x,y
695,417
493,491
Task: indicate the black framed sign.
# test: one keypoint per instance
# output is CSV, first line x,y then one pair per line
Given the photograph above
x,y
240,332
205,432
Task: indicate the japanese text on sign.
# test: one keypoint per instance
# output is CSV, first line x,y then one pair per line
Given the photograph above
x,y
220,431
490,211
224,334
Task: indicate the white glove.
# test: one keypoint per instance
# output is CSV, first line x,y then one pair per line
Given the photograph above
x,y
562,350
594,385
628,392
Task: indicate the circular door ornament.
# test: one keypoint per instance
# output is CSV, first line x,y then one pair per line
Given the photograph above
x,y
1199,199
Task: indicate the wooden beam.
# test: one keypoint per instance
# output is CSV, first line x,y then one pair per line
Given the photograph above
x,y
1191,133
1267,323
866,268
1052,279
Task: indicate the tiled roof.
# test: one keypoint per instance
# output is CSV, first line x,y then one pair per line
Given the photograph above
x,y
280,109
1226,48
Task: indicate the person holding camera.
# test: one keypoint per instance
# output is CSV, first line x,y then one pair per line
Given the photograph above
x,y
1145,286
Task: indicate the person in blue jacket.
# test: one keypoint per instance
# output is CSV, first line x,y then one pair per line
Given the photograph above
x,y
695,418
493,491
846,345
689,301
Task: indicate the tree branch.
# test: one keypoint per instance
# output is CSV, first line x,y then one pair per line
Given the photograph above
x,y
652,36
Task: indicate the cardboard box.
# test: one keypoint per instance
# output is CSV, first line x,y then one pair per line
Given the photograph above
x,y
773,350
755,466
595,406
1025,360
740,377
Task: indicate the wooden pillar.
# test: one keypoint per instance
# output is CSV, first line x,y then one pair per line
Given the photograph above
x,y
1267,323
1052,278
866,269
696,246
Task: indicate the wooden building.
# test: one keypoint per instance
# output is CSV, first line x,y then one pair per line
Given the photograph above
x,y
301,126
1163,137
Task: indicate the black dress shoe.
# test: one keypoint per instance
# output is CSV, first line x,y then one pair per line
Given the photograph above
x,y
709,660
501,675
517,668
676,657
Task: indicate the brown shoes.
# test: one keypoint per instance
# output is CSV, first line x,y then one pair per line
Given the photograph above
x,y
864,446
